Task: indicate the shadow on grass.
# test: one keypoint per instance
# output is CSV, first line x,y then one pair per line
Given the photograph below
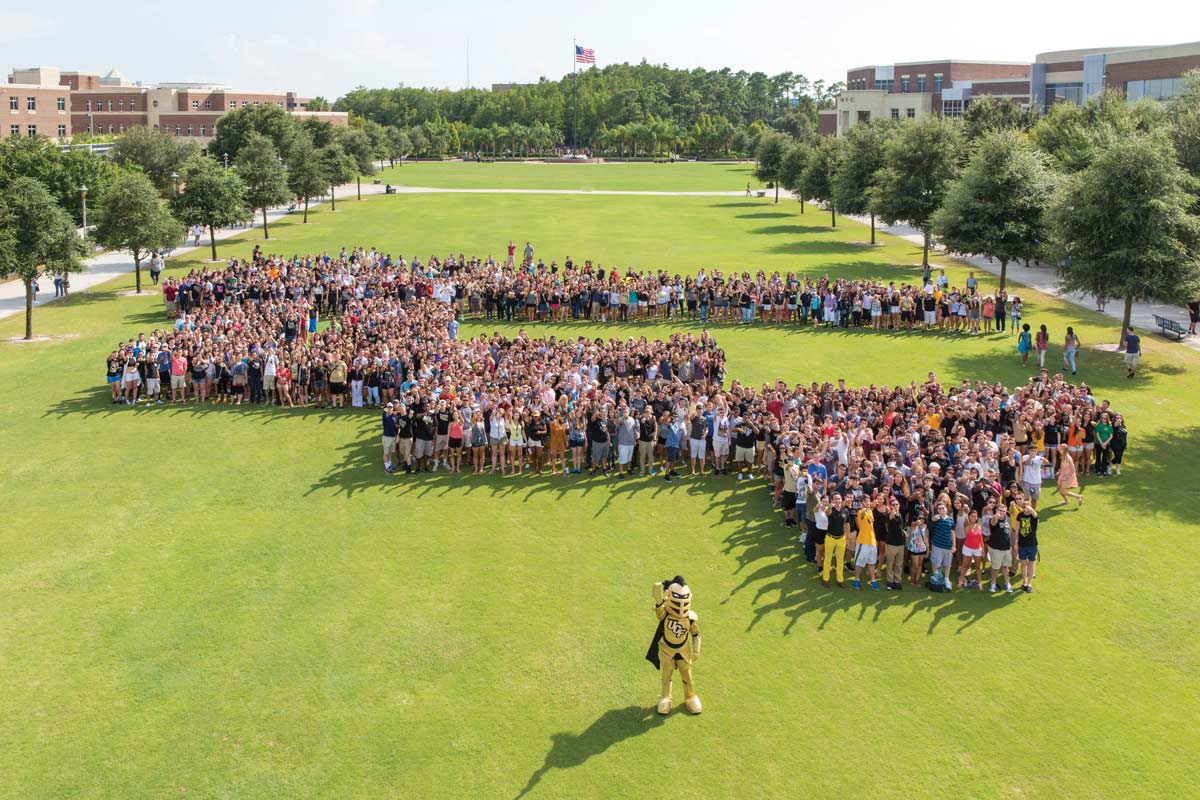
x,y
771,560
97,403
765,215
569,750
1157,481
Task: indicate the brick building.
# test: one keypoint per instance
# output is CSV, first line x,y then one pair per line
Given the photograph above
x,y
35,104
915,89
70,103
1073,76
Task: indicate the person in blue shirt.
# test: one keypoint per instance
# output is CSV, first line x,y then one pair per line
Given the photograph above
x,y
1133,351
390,431
941,540
452,328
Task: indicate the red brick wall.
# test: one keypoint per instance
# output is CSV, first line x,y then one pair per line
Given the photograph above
x,y
80,80
867,73
827,124
1007,87
208,120
249,99
1065,66
216,100
45,117
121,101
1118,74
101,122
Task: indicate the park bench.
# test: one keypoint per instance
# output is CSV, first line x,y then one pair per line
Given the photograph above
x,y
1171,326
762,194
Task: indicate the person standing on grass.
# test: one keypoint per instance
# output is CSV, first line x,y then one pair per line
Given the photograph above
x,y
156,267
1031,475
1133,351
941,540
916,544
1119,440
1104,436
1067,478
389,437
895,539
835,541
1027,544
1070,346
998,530
972,553
866,552
1043,344
1024,343
178,377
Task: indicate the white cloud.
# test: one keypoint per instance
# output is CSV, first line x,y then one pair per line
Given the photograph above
x,y
16,26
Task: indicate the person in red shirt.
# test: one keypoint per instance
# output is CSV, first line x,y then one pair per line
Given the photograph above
x,y
170,291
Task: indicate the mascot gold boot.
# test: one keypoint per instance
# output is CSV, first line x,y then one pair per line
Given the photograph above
x,y
676,643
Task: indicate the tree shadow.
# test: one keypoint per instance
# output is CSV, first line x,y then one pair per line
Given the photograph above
x,y
739,205
766,215
1161,482
614,726
797,230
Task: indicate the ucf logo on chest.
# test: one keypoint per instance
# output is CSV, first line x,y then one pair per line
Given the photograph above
x,y
677,629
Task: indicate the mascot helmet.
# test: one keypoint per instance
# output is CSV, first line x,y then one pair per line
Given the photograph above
x,y
678,597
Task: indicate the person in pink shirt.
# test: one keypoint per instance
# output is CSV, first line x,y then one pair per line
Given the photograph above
x,y
178,377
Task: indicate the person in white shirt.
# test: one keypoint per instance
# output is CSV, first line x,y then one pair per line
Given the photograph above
x,y
1031,476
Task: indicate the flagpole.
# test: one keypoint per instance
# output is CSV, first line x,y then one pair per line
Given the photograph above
x,y
575,83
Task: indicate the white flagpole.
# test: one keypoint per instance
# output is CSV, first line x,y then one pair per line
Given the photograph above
x,y
575,82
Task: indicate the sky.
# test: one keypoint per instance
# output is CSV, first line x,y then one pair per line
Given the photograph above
x,y
327,48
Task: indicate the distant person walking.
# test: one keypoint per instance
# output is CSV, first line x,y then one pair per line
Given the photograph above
x,y
1133,352
1070,346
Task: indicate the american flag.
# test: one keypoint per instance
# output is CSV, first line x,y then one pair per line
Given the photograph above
x,y
584,55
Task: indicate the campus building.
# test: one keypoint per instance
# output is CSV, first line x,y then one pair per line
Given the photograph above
x,y
915,89
1073,76
45,102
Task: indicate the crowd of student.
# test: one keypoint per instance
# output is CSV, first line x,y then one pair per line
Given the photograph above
x,y
894,476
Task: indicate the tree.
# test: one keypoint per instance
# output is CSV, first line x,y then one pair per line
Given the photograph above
x,y
771,149
156,153
133,217
862,158
1184,112
997,206
987,114
337,167
212,197
234,128
919,163
791,170
1122,227
820,171
1073,135
305,174
261,169
60,172
36,236
357,145
317,103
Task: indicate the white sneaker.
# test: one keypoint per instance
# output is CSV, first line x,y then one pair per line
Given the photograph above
x,y
1008,588
993,588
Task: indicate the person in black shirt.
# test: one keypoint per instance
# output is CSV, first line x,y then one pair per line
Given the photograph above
x,y
1027,544
999,542
835,541
597,431
423,432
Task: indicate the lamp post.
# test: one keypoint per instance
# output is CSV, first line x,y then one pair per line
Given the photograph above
x,y
175,181
225,156
83,195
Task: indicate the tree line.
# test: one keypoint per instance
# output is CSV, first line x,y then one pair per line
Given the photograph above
x,y
629,110
152,185
1108,192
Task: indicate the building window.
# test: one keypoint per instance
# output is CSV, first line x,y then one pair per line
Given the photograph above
x,y
1064,93
62,104
952,108
279,103
110,105
937,83
920,84
887,84
201,130
257,103
189,130
87,105
121,128
14,130
208,103
895,113
32,130
195,105
120,105
111,129
176,130
14,103
864,116
1155,89
62,131
904,85
31,103
911,113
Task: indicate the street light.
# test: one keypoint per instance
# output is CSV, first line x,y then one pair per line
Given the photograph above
x,y
175,180
226,157
83,195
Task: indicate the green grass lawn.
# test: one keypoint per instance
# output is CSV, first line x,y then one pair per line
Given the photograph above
x,y
210,602
679,177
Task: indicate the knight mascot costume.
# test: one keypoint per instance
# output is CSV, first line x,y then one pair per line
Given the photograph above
x,y
676,643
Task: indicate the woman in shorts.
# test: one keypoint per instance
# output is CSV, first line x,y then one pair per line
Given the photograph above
x,y
132,381
516,446
113,376
917,545
455,443
478,442
199,379
972,552
577,441
557,456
